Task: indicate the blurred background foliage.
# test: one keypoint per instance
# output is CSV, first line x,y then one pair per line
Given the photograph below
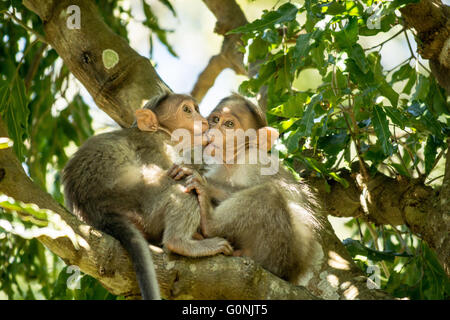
x,y
328,92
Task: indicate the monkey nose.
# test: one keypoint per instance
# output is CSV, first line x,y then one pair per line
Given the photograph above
x,y
209,136
205,125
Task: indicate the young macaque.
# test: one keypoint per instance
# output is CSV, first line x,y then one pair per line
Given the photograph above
x,y
117,182
271,218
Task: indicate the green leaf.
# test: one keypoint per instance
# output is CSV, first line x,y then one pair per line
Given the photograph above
x,y
386,90
334,8
430,152
334,143
291,108
381,126
307,120
396,116
152,22
348,36
357,248
285,13
356,53
422,88
337,178
292,142
403,73
302,46
258,50
400,169
14,110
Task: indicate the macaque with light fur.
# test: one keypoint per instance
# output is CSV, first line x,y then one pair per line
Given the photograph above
x,y
272,219
117,182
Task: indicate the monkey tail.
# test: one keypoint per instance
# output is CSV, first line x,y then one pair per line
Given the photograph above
x,y
137,247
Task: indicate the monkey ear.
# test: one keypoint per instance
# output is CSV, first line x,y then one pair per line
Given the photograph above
x,y
146,120
267,137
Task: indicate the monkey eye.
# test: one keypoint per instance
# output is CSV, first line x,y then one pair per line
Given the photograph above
x,y
215,119
187,109
229,124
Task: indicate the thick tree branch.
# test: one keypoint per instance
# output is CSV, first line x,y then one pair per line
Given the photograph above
x,y
413,204
229,16
118,90
431,20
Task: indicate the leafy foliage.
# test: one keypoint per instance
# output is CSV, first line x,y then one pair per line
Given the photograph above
x,y
359,111
355,101
28,270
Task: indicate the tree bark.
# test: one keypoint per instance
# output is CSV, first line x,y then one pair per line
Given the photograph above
x,y
118,90
229,16
431,20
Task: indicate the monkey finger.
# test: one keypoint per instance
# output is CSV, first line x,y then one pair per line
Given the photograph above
x,y
193,179
172,171
228,249
180,175
188,188
193,186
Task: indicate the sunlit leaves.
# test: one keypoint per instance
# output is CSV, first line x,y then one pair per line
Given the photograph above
x,y
285,13
152,23
381,126
14,112
420,278
348,36
43,221
5,143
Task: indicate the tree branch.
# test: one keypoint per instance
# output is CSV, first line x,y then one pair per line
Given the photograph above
x,y
413,204
430,18
229,16
118,90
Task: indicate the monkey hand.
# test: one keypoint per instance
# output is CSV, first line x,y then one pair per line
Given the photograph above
x,y
196,182
178,172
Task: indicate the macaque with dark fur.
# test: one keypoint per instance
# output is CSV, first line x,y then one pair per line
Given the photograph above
x,y
117,182
272,219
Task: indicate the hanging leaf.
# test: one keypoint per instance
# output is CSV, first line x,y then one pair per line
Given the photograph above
x,y
381,126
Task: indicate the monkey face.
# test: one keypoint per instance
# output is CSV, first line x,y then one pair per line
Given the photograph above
x,y
236,125
181,112
231,128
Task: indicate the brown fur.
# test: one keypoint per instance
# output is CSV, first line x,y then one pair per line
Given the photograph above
x,y
117,182
272,219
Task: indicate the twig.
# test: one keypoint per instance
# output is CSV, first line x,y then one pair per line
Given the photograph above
x,y
402,241
435,178
437,159
23,25
382,43
354,134
375,242
412,53
405,146
400,64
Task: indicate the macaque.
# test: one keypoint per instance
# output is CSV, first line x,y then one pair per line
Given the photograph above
x,y
270,218
117,183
